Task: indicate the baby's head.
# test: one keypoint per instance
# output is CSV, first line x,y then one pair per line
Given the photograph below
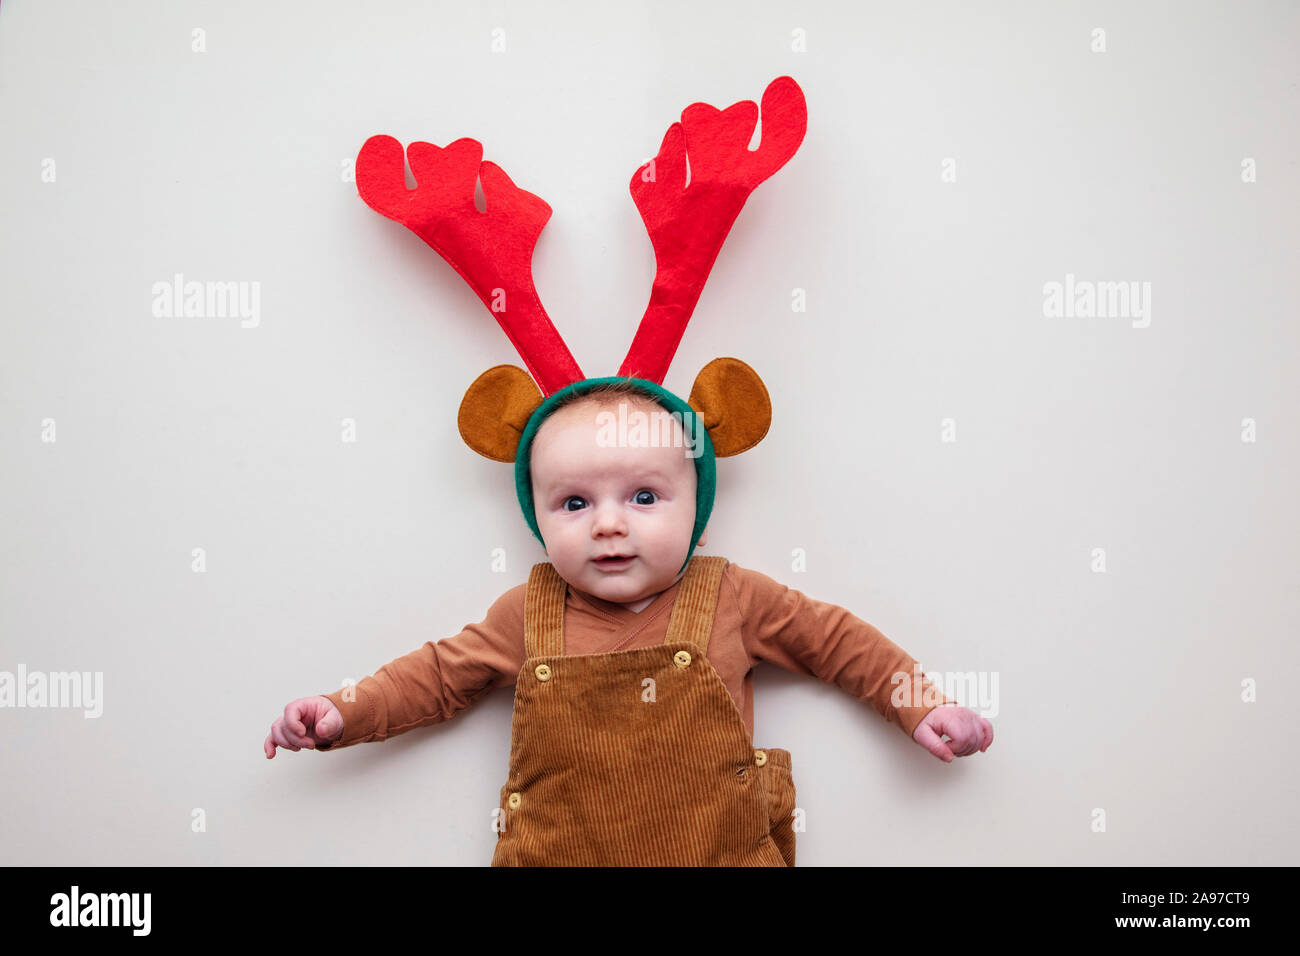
x,y
599,486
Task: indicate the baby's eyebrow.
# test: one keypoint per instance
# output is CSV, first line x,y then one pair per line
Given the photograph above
x,y
652,474
556,484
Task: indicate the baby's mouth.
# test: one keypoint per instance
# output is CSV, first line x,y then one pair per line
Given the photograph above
x,y
617,561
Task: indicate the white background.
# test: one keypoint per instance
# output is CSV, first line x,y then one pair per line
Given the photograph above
x,y
1119,691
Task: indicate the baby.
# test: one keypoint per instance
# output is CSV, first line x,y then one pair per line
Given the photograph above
x,y
631,657
624,762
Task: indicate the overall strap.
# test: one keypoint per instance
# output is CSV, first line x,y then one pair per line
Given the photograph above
x,y
544,611
691,618
697,598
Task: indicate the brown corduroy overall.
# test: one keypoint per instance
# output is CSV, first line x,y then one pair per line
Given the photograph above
x,y
637,757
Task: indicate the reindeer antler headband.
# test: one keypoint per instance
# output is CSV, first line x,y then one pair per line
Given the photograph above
x,y
688,195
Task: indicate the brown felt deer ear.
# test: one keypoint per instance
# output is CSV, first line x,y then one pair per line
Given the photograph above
x,y
495,411
734,403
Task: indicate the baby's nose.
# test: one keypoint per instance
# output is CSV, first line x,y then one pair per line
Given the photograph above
x,y
609,519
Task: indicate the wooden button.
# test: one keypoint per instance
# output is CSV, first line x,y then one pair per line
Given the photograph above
x,y
513,800
760,757
682,659
543,672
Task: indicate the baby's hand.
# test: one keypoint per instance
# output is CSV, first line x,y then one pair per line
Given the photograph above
x,y
969,732
307,722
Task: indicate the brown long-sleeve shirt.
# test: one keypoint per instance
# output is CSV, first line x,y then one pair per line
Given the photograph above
x,y
757,619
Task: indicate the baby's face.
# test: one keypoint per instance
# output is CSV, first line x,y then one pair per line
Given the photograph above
x,y
591,501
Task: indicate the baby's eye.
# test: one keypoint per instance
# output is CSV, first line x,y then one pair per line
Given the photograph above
x,y
644,491
566,507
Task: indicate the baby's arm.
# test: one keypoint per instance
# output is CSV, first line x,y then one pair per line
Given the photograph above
x,y
813,637
434,682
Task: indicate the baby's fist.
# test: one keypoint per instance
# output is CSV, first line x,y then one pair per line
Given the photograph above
x,y
307,722
969,732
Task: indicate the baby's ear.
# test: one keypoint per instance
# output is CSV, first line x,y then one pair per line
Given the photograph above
x,y
734,403
495,411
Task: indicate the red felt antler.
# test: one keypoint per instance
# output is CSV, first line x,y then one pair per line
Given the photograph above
x,y
492,250
689,223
